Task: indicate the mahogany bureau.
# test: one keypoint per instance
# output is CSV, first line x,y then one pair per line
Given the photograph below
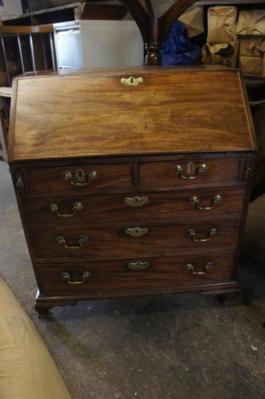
x,y
131,182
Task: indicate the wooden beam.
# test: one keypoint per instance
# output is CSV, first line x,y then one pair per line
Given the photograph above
x,y
154,29
140,16
24,30
172,15
147,5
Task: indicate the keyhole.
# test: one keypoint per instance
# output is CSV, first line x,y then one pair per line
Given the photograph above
x,y
80,175
190,169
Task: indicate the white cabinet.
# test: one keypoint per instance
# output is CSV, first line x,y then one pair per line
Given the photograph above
x,y
91,44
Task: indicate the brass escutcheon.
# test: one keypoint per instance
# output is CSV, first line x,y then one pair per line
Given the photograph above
x,y
136,201
136,232
139,265
190,171
132,81
79,177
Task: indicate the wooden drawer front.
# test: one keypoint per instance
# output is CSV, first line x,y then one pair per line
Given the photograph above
x,y
79,179
113,278
139,208
188,173
119,242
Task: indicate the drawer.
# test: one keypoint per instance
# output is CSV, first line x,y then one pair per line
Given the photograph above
x,y
121,242
188,172
170,207
85,179
126,277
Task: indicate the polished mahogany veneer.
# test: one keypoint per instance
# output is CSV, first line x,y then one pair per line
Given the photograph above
x,y
132,182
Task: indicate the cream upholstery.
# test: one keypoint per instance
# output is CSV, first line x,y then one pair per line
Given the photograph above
x,y
27,370
6,92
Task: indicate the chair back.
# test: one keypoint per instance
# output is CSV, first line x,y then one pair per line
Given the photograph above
x,y
25,49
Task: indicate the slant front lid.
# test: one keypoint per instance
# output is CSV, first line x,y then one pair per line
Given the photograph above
x,y
105,113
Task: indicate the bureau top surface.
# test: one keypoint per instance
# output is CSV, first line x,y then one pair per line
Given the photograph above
x,y
99,113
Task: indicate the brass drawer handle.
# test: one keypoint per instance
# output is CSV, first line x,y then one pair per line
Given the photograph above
x,y
61,240
77,206
215,201
191,171
136,201
136,232
132,81
138,265
85,276
199,271
79,177
193,235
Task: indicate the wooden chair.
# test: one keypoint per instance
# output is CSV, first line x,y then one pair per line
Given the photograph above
x,y
26,49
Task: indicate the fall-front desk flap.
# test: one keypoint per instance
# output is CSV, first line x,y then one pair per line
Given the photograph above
x,y
127,112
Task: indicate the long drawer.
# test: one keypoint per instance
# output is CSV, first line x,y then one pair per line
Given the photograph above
x,y
125,277
121,241
138,208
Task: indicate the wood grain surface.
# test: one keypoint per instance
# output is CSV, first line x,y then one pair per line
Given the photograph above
x,y
109,179
113,243
102,210
163,175
90,114
88,139
113,277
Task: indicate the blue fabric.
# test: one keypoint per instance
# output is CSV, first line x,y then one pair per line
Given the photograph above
x,y
177,48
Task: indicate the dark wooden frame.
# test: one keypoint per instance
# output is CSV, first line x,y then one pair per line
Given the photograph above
x,y
154,29
242,180
45,303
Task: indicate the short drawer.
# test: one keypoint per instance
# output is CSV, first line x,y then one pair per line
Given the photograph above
x,y
118,242
188,172
73,180
132,277
170,207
